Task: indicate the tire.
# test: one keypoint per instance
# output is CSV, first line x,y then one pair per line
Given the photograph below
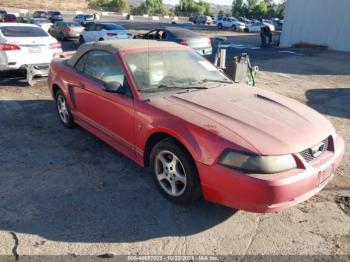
x,y
81,40
101,39
62,38
63,111
246,30
178,178
234,28
220,26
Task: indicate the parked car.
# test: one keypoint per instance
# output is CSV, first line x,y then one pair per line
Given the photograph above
x,y
202,19
192,19
164,106
256,26
2,13
40,14
182,36
24,19
42,22
66,30
8,18
103,31
25,44
84,19
231,22
278,24
54,16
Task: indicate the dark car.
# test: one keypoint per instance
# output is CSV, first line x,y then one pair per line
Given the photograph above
x,y
182,36
54,16
9,18
2,13
40,14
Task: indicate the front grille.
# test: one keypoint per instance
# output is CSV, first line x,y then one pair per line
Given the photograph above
x,y
308,154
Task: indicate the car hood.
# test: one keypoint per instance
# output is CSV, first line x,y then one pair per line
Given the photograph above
x,y
268,123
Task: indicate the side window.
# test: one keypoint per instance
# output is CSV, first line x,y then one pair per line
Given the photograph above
x,y
81,62
105,67
152,34
90,27
98,28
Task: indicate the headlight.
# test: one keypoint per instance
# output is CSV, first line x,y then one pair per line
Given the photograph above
x,y
257,164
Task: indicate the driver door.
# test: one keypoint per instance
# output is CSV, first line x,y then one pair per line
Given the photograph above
x,y
111,113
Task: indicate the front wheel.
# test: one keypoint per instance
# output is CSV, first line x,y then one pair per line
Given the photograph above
x,y
63,110
220,26
174,172
234,28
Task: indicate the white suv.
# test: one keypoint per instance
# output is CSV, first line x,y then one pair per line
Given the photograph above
x,y
231,22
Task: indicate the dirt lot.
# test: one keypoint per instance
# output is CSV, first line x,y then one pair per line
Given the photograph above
x,y
64,192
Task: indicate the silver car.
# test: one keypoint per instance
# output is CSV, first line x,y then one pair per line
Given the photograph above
x,y
66,30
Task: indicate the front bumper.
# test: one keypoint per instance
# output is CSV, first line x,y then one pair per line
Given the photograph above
x,y
73,35
240,27
272,192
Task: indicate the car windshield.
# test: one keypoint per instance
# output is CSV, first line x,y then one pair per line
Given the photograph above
x,y
156,71
22,31
88,16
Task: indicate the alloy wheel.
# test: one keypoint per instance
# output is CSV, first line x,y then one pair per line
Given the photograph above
x,y
62,109
170,173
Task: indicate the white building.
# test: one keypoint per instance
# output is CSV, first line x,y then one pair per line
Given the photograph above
x,y
320,22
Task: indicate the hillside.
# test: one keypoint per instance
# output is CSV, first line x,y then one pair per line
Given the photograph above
x,y
68,5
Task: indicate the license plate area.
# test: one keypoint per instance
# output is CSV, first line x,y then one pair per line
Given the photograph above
x,y
34,49
324,175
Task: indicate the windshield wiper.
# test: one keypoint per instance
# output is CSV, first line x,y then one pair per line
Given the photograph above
x,y
162,86
182,87
215,81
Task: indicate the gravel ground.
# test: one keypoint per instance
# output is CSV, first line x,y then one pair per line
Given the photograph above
x,y
64,192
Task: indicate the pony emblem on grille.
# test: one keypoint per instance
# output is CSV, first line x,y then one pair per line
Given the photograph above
x,y
317,150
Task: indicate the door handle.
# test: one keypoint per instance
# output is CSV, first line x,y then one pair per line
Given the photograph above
x,y
81,85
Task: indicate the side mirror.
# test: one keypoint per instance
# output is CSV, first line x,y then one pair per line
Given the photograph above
x,y
113,87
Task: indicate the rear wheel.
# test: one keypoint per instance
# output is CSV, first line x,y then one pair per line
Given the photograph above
x,y
63,110
101,39
81,40
174,172
220,26
62,38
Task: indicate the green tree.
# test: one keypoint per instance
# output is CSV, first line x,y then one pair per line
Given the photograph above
x,y
238,8
155,7
114,5
119,5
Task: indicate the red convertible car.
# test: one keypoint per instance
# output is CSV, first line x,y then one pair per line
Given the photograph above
x,y
164,106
